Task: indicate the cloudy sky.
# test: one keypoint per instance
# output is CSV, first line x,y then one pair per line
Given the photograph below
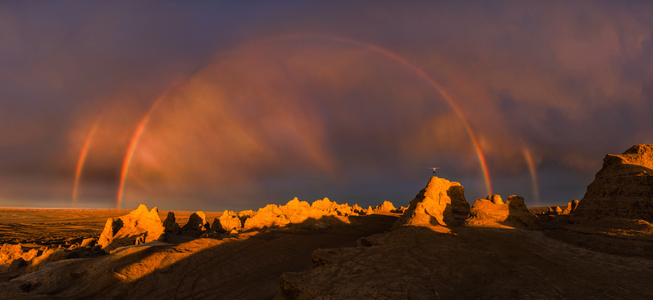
x,y
232,105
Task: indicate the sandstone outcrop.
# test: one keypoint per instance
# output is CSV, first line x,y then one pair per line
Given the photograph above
x,y
10,253
493,212
386,208
227,222
170,224
441,202
125,230
554,210
623,188
197,222
571,207
268,216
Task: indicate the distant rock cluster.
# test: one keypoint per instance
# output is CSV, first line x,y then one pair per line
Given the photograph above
x,y
440,203
493,212
142,226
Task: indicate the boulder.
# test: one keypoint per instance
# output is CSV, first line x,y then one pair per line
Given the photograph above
x,y
623,188
492,212
127,229
441,202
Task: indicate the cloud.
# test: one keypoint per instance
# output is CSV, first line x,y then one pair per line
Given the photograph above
x,y
250,111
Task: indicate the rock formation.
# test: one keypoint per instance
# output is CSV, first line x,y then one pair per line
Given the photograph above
x,y
441,202
623,188
125,230
495,199
571,207
227,222
384,208
268,216
10,253
554,210
493,212
170,224
197,222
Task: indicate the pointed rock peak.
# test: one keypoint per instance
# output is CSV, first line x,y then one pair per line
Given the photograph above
x,y
441,202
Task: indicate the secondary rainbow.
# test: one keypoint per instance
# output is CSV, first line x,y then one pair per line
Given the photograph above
x,y
133,144
82,157
531,168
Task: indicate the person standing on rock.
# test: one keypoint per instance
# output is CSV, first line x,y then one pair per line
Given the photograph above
x,y
434,170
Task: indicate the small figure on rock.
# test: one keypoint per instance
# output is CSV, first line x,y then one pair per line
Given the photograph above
x,y
434,170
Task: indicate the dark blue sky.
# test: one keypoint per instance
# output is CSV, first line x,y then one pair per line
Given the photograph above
x,y
263,101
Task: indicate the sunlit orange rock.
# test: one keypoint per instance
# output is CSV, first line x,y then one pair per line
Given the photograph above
x,y
441,202
10,253
571,207
496,199
324,205
623,188
385,208
359,210
227,222
125,230
268,216
554,210
493,212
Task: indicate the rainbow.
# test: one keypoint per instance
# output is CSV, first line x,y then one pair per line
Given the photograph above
x,y
531,168
82,157
387,53
419,71
126,163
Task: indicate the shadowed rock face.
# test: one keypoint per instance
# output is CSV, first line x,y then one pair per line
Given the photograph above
x,y
623,188
441,202
491,212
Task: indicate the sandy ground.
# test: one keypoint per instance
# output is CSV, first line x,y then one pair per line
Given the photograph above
x,y
484,263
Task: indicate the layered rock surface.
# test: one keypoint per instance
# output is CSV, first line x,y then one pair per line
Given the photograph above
x,y
441,202
623,188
